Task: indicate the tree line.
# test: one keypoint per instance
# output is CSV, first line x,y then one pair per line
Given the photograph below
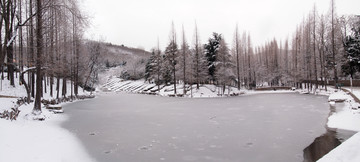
x,y
324,47
44,39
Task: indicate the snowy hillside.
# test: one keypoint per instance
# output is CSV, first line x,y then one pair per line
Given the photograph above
x,y
141,86
119,54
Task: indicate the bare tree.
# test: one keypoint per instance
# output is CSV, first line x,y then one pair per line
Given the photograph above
x,y
199,62
39,52
333,45
224,73
172,54
184,59
237,53
314,48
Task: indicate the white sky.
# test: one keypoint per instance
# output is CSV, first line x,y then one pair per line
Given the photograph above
x,y
138,23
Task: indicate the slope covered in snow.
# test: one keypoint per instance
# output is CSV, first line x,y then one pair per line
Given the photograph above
x,y
141,86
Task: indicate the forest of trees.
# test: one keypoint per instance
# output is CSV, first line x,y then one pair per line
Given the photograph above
x,y
42,44
324,48
43,40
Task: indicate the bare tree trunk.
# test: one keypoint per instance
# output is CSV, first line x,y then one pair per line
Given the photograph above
x,y
333,42
184,48
58,87
8,13
249,71
21,56
39,47
314,39
237,56
32,51
197,58
52,51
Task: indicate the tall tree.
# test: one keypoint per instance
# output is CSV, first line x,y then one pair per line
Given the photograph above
x,y
333,45
184,59
39,52
211,50
352,49
157,66
172,54
314,47
199,61
9,13
224,73
237,53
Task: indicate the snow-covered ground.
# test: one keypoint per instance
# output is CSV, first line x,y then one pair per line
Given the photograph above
x,y
347,118
41,141
24,139
116,84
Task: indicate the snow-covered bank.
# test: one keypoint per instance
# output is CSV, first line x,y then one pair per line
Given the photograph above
x,y
25,139
348,151
40,141
346,118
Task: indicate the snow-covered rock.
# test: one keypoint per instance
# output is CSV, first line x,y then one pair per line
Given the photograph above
x,y
339,96
346,118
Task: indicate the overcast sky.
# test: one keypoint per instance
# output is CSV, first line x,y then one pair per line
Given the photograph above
x,y
139,23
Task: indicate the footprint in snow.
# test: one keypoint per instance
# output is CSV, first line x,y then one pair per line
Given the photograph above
x,y
145,148
107,152
249,144
92,134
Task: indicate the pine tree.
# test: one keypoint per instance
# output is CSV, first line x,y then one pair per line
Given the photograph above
x,y
352,51
211,50
149,67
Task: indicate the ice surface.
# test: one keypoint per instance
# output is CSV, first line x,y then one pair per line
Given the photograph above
x,y
264,127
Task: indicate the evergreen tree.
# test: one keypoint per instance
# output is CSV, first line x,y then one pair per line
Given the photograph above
x,y
149,67
166,71
352,52
157,65
211,50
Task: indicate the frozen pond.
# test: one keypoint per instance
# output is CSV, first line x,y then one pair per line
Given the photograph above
x,y
262,127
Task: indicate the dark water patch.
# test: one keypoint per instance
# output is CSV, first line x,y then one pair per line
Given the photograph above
x,y
325,143
328,141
